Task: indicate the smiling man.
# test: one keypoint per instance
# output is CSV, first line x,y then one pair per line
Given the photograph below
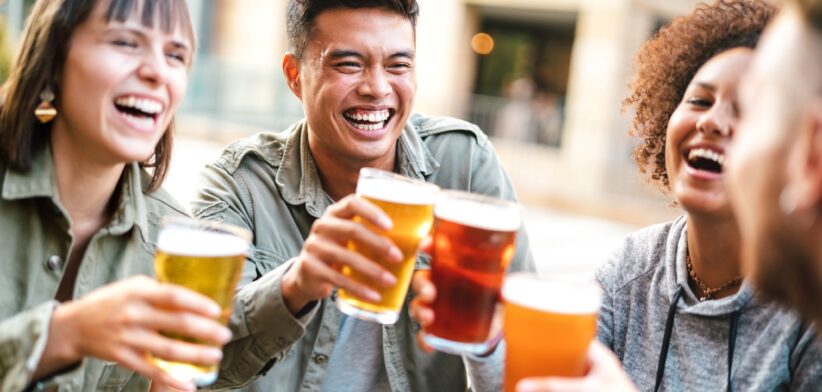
x,y
352,65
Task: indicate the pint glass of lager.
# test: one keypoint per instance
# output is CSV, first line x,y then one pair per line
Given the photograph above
x,y
205,257
474,240
548,326
410,204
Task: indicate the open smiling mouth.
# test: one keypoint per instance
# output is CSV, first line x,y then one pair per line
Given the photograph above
x,y
706,160
139,110
368,120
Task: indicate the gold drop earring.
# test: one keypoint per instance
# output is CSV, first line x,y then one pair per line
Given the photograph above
x,y
45,111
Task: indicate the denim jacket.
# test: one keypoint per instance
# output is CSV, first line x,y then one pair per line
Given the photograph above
x,y
269,184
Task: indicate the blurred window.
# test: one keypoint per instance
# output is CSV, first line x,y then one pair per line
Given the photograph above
x,y
521,84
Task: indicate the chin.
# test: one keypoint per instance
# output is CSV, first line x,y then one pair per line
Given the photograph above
x,y
706,206
785,271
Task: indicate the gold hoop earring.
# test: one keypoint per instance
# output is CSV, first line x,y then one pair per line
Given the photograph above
x,y
45,111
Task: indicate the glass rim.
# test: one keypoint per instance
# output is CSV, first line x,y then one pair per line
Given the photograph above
x,y
205,225
479,197
586,286
372,172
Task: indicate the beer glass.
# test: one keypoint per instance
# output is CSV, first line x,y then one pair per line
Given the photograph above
x,y
409,203
205,257
549,324
474,240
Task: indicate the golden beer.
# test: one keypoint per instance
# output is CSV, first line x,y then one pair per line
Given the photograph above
x,y
207,258
474,241
410,205
549,325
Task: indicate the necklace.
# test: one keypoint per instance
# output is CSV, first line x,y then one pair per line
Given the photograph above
x,y
708,292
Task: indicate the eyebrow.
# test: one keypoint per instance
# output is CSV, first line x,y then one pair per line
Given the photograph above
x,y
706,86
342,53
177,44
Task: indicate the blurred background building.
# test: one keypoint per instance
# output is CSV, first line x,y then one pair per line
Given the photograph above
x,y
544,78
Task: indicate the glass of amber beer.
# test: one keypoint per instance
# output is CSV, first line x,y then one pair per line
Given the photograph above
x,y
474,240
548,325
410,204
206,257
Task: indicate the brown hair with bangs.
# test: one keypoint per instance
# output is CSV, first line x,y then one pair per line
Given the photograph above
x,y
41,59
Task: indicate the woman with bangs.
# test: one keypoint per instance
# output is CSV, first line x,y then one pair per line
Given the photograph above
x,y
89,107
677,313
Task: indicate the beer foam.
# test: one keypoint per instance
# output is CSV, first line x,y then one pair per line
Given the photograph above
x,y
554,296
475,213
186,241
401,192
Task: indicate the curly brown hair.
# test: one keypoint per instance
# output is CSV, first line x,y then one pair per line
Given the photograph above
x,y
668,61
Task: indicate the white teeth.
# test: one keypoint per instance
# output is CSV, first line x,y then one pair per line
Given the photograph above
x,y
372,117
370,127
705,153
149,106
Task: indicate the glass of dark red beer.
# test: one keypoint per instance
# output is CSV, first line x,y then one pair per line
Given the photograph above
x,y
474,240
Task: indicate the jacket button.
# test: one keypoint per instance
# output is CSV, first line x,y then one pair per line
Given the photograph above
x,y
321,358
55,263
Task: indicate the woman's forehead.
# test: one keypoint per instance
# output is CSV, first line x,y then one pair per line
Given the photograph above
x,y
170,16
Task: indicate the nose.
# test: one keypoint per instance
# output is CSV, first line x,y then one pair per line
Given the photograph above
x,y
153,67
719,121
374,84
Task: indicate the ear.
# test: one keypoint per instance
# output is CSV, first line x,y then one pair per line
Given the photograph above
x,y
291,70
810,150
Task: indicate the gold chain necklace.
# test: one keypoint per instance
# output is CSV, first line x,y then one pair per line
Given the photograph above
x,y
708,292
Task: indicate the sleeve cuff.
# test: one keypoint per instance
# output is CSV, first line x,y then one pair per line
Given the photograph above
x,y
485,373
23,340
264,329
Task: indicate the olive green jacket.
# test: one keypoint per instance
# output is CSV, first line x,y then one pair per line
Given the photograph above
x,y
34,244
269,184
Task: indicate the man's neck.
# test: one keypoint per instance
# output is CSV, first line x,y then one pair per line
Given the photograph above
x,y
339,176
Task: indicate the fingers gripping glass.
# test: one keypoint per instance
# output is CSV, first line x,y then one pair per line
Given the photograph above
x,y
206,257
409,203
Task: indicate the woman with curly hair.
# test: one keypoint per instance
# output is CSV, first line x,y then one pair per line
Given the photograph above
x,y
677,312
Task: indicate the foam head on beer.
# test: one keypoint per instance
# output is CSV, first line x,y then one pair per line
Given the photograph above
x,y
187,241
403,191
551,296
479,213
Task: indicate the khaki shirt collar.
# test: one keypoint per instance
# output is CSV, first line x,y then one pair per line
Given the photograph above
x,y
299,182
40,181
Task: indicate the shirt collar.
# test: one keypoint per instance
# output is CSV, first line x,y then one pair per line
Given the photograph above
x,y
40,181
299,182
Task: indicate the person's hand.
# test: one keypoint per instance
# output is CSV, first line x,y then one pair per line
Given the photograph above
x,y
420,308
604,374
317,270
121,322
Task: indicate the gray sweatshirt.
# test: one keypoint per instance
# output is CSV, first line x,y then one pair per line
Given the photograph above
x,y
768,348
